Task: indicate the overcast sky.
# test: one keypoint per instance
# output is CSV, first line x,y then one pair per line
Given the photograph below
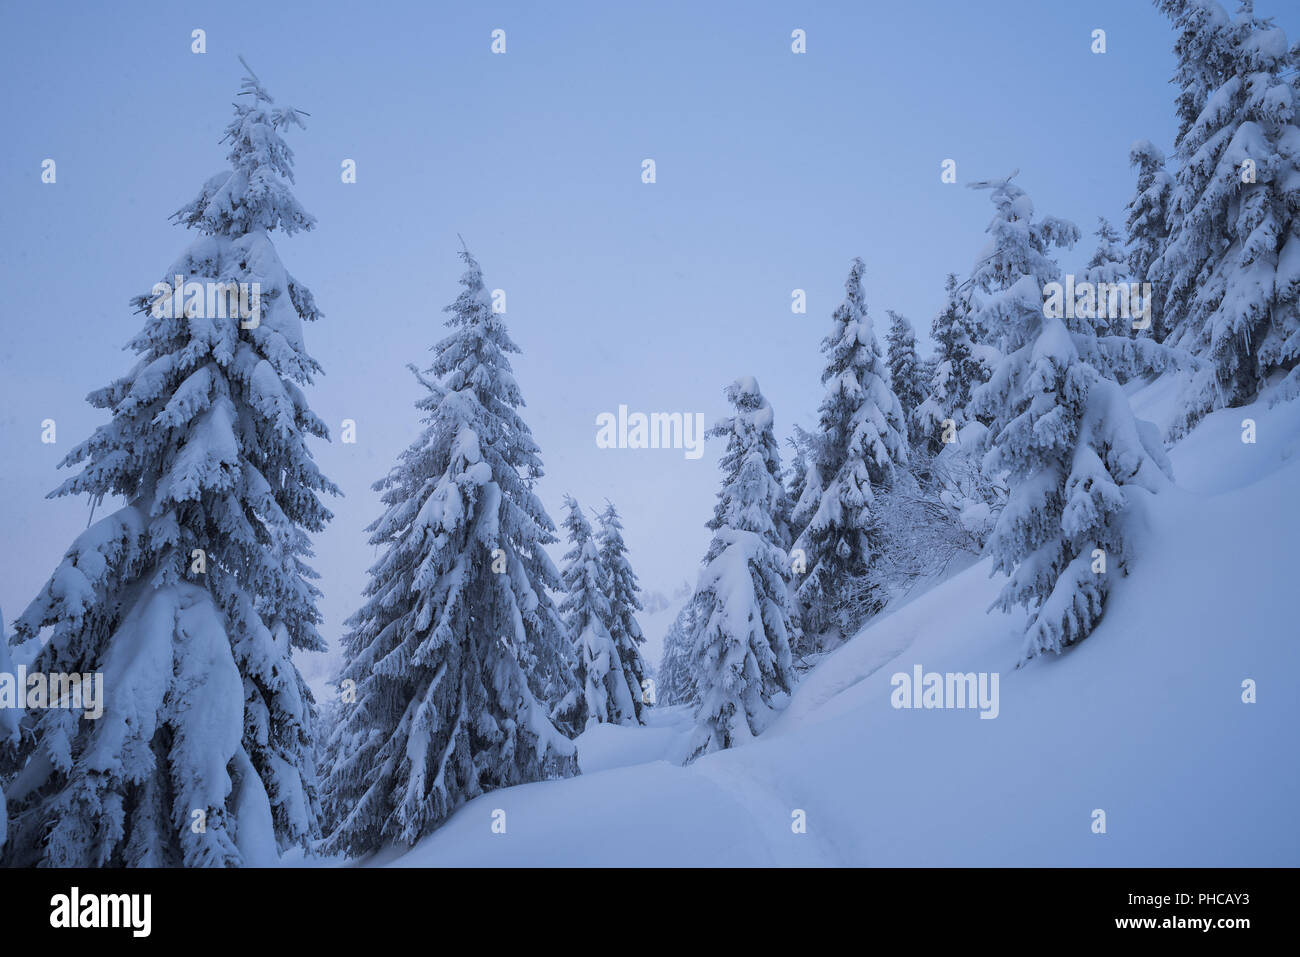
x,y
773,171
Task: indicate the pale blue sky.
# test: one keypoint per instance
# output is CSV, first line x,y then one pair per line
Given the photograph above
x,y
774,170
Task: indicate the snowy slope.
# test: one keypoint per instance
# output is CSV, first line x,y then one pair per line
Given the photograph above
x,y
1143,720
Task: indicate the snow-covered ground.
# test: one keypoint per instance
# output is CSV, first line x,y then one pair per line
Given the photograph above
x,y
1144,720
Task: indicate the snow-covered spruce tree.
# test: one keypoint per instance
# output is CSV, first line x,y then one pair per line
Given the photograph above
x,y
1018,246
10,719
861,437
191,595
1146,225
905,370
1107,267
803,492
1232,262
740,647
328,716
957,370
1079,463
607,698
623,592
675,683
457,617
1101,313
803,485
1202,49
796,474
1203,52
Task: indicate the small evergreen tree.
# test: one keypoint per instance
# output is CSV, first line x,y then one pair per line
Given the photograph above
x,y
1107,267
905,370
957,371
606,695
1148,231
624,603
796,476
740,648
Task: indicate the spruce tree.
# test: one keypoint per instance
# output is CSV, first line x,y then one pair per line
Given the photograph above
x,y
1079,464
445,658
1106,273
10,720
1116,353
1147,227
1203,53
675,682
1107,267
606,696
796,475
861,438
1232,262
740,647
803,492
802,484
905,370
957,370
623,592
191,596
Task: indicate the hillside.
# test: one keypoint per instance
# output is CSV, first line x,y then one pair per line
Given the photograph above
x,y
1143,720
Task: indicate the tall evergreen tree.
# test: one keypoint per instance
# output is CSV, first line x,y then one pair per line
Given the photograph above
x,y
861,438
1202,49
457,618
1147,227
740,649
1232,263
905,370
957,370
190,597
1079,463
624,603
